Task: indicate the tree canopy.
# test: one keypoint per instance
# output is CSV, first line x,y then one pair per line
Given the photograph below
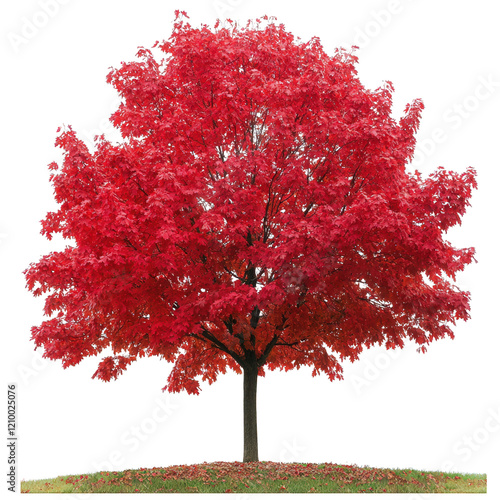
x,y
259,212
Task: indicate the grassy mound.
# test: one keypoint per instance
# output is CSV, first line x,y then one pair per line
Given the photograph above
x,y
261,477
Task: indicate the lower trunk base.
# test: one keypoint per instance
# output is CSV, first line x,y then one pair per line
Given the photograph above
x,y
250,443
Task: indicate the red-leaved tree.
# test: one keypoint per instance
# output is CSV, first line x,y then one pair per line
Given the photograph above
x,y
258,213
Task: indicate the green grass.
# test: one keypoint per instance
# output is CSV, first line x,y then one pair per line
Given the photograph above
x,y
261,477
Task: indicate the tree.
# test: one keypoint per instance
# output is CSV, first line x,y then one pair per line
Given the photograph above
x,y
258,212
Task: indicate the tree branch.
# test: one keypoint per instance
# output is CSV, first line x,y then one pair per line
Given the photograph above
x,y
262,360
206,335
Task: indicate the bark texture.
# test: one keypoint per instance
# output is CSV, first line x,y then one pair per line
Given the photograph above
x,y
250,444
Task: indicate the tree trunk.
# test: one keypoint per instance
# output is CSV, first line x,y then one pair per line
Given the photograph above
x,y
250,444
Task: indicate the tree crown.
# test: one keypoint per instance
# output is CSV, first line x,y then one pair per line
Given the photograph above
x,y
258,212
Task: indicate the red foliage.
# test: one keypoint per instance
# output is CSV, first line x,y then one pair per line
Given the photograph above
x,y
258,212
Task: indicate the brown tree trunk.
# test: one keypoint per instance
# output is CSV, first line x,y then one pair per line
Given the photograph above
x,y
250,444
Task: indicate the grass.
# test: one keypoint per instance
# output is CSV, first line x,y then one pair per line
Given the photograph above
x,y
261,477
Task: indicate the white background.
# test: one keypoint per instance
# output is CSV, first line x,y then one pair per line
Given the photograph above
x,y
438,411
